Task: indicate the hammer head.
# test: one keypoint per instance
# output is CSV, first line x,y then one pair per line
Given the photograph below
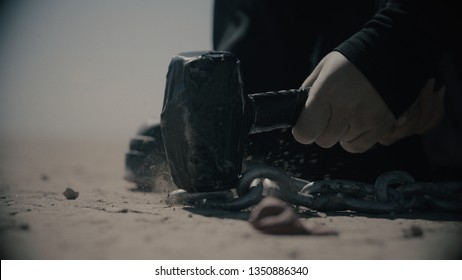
x,y
204,120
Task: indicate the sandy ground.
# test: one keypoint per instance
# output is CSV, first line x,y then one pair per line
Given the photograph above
x,y
110,221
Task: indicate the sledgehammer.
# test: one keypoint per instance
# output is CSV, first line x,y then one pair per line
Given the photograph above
x,y
206,119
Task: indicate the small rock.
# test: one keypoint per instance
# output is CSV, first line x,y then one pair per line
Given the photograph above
x,y
24,226
70,193
44,177
413,232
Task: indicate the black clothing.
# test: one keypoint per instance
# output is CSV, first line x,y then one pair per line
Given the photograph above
x,y
280,43
400,48
397,49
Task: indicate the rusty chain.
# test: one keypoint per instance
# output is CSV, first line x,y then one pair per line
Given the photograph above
x,y
392,192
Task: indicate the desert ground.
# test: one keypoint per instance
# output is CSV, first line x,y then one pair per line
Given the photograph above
x,y
109,220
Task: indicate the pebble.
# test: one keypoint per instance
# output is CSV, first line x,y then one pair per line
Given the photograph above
x,y
70,194
413,232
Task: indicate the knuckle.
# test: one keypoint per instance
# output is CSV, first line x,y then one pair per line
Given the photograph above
x,y
325,143
300,136
352,148
387,141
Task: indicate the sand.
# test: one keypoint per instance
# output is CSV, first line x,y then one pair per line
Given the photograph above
x,y
108,220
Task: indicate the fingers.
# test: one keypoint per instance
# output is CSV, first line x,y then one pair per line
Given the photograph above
x,y
315,116
363,142
426,112
405,127
355,137
433,119
335,129
362,136
312,122
342,107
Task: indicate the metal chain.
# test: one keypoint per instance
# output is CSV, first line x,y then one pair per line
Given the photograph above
x,y
392,192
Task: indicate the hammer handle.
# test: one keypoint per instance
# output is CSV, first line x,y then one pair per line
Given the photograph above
x,y
276,109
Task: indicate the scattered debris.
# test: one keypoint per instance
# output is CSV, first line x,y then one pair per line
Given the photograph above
x,y
70,194
10,224
23,226
413,232
274,216
114,209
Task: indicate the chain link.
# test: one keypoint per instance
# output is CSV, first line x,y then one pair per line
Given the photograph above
x,y
392,192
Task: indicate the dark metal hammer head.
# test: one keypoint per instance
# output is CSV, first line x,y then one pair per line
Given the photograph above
x,y
204,120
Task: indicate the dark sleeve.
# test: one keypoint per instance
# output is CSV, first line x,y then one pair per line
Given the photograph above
x,y
399,49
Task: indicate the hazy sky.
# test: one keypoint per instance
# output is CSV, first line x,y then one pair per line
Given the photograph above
x,y
91,67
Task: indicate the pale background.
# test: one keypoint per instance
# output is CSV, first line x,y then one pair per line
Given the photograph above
x,y
91,68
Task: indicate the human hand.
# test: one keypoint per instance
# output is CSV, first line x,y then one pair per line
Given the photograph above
x,y
424,114
342,107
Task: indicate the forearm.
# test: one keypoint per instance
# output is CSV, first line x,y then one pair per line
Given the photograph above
x,y
399,49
